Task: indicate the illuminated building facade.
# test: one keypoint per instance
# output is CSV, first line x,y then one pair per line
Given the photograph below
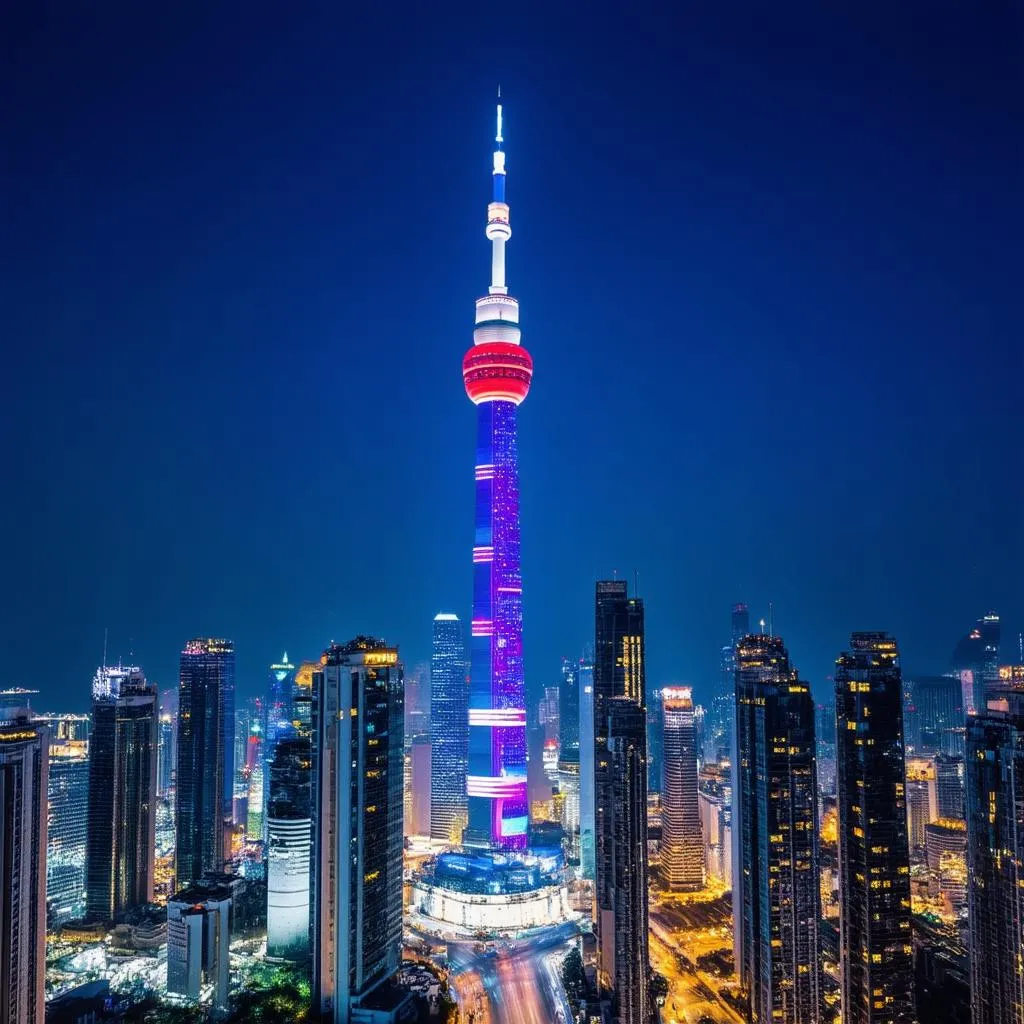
x,y
497,372
995,858
198,942
776,895
714,789
620,797
122,793
204,778
874,854
288,850
682,845
449,730
588,839
66,833
165,754
279,706
24,759
418,776
569,757
356,804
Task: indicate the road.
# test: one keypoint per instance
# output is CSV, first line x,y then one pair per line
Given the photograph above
x,y
682,930
516,984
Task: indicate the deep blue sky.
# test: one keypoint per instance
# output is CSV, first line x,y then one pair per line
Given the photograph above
x,y
769,259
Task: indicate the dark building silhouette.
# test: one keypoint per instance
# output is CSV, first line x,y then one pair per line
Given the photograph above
x,y
204,779
24,747
938,715
121,839
978,654
624,927
775,885
620,676
995,858
874,856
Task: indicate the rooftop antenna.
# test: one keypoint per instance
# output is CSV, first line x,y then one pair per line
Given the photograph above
x,y
636,582
771,619
105,631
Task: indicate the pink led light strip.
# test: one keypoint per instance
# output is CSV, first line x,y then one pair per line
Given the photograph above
x,y
496,788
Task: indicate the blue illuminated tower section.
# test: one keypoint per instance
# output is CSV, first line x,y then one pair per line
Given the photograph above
x,y
497,372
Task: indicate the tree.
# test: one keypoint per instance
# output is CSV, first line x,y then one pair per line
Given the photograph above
x,y
574,978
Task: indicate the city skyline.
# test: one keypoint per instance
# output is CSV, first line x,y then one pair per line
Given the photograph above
x,y
809,255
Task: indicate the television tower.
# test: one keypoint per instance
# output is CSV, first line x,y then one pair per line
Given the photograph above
x,y
497,372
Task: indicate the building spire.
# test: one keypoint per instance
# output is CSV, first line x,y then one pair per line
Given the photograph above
x,y
498,229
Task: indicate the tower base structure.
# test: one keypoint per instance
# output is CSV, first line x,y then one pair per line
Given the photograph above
x,y
489,894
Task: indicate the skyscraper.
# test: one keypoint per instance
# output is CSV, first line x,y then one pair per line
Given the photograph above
x,y
976,660
204,784
718,741
774,828
497,372
449,730
874,856
623,944
588,839
358,719
682,845
619,672
288,850
655,741
280,701
122,793
939,707
165,754
569,757
995,857
68,816
23,785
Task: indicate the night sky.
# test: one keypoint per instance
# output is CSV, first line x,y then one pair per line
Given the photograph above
x,y
769,259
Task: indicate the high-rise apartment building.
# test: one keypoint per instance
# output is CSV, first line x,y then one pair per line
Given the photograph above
x,y
620,672
358,721
288,850
449,730
874,857
682,845
588,839
204,783
122,793
624,959
497,371
776,896
995,857
569,757
24,760
67,830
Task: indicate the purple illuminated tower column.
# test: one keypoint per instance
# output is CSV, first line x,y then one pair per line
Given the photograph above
x,y
497,372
